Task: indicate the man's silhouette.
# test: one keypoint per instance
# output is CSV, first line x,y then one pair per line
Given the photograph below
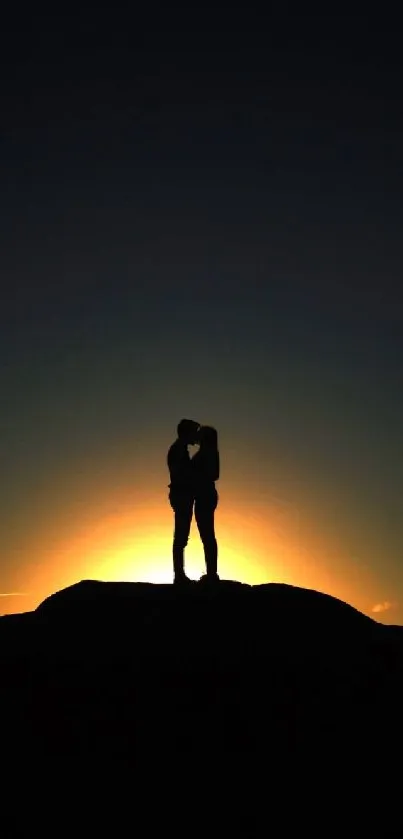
x,y
181,492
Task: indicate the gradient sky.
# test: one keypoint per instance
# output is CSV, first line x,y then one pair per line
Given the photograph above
x,y
201,216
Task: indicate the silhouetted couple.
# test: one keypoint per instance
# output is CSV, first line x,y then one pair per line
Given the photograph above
x,y
192,487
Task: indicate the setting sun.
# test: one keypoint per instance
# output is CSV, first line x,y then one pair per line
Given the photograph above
x,y
135,545
130,538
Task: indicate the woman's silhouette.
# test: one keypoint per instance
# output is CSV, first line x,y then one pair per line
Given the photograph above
x,y
206,471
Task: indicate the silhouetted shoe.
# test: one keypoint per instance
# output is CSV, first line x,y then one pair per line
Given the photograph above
x,y
182,580
209,579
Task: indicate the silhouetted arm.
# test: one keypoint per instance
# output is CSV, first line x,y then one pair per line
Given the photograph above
x,y
179,465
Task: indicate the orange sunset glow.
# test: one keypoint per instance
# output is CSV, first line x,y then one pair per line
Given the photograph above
x,y
126,537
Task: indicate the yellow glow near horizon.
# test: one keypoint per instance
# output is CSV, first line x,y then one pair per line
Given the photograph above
x,y
132,544
135,545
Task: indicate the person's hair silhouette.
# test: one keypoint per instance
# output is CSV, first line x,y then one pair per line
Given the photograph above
x,y
206,471
181,492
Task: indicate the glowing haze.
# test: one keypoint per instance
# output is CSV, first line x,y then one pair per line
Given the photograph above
x,y
119,527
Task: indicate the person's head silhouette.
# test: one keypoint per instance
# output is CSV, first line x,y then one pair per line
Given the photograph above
x,y
188,431
207,437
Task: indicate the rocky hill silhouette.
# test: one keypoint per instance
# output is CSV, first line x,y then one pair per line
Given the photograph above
x,y
270,672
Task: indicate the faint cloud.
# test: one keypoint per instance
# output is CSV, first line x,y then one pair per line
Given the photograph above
x,y
384,606
14,594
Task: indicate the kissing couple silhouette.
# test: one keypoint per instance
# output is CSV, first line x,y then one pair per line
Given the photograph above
x,y
192,488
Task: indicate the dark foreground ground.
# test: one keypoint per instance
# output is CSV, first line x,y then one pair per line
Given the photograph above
x,y
262,682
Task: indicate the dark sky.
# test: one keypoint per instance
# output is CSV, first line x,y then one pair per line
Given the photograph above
x,y
201,216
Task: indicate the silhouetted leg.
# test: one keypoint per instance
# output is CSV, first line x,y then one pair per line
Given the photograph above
x,y
183,509
204,513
